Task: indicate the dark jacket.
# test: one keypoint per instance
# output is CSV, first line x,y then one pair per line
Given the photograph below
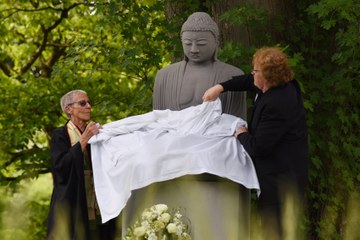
x,y
277,137
68,198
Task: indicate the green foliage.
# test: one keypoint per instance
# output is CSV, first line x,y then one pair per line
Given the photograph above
x,y
26,209
112,50
331,79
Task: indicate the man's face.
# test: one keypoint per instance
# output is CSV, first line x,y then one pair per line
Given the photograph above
x,y
80,108
199,47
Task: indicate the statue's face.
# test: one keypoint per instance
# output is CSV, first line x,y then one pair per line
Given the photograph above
x,y
199,47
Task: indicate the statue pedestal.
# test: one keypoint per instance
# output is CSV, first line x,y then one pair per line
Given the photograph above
x,y
216,208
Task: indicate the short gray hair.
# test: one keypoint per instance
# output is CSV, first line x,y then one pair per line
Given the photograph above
x,y
68,98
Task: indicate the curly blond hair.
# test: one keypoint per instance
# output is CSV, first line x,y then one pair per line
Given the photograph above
x,y
274,65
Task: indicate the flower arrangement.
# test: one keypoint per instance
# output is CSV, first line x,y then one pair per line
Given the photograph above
x,y
158,223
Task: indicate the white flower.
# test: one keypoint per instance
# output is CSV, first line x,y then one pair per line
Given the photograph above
x,y
171,228
153,222
152,236
145,224
160,208
139,231
146,215
179,230
177,215
165,217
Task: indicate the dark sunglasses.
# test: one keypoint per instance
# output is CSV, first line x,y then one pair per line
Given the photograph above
x,y
82,103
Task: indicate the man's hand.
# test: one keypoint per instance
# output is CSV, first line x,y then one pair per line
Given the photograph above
x,y
91,129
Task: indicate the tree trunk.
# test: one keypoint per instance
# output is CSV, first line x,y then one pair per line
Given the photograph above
x,y
246,33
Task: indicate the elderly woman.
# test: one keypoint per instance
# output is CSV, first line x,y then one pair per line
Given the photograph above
x,y
73,208
277,135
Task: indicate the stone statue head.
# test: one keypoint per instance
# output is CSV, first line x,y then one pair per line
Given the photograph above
x,y
201,22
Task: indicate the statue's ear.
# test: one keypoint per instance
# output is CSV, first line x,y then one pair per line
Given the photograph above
x,y
215,55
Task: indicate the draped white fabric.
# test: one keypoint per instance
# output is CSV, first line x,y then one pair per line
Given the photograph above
x,y
161,145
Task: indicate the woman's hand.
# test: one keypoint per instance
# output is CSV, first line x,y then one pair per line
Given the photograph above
x,y
213,93
240,131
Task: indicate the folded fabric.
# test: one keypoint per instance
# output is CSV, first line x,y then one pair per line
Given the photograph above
x,y
137,151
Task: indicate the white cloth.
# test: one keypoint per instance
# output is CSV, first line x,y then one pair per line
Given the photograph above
x,y
161,145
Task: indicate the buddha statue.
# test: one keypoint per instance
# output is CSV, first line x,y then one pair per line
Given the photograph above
x,y
182,84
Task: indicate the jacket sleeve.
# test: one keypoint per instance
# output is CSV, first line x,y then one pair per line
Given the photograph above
x,y
240,83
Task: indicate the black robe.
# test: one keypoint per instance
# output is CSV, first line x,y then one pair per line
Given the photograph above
x,y
68,205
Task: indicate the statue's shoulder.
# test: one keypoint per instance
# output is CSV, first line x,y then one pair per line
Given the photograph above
x,y
169,73
228,68
171,68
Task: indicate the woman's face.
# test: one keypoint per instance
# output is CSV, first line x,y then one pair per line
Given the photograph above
x,y
259,80
199,47
80,108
